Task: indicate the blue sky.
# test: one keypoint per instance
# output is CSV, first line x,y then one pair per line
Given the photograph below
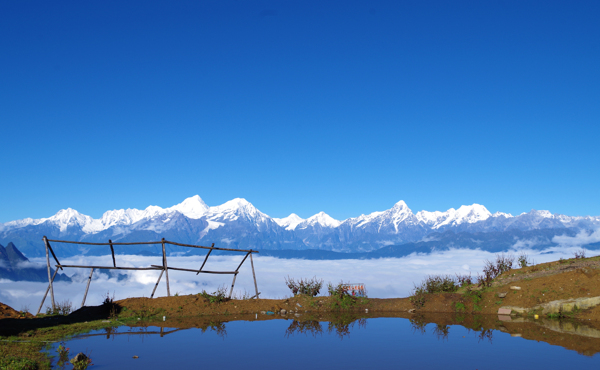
x,y
343,106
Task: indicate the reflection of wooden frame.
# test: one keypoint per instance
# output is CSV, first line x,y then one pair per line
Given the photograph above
x,y
164,269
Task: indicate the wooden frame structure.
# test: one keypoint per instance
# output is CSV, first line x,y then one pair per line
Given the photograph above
x,y
164,268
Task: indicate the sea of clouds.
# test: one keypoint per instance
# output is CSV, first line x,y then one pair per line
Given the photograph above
x,y
383,278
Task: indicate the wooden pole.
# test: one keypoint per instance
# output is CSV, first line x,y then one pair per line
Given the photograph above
x,y
157,281
254,276
232,284
112,250
205,259
54,255
241,263
165,267
49,277
87,288
46,294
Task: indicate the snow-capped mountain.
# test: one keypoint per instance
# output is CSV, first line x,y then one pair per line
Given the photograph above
x,y
290,222
237,223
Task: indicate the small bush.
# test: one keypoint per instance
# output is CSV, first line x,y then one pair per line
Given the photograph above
x,y
464,280
580,254
310,287
63,354
81,361
492,270
438,284
216,297
341,298
62,308
523,260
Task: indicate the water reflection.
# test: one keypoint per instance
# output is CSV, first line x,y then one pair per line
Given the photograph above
x,y
384,341
341,326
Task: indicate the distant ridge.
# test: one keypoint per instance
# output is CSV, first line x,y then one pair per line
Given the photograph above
x,y
16,267
238,224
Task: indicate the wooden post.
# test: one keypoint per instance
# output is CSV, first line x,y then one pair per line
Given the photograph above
x,y
205,259
232,284
165,268
157,281
45,294
49,273
54,255
87,288
112,250
254,276
241,263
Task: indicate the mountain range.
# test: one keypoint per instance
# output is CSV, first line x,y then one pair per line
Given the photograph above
x,y
238,224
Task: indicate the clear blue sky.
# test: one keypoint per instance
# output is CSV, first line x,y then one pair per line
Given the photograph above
x,y
300,106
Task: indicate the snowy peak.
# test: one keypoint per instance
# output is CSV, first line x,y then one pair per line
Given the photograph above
x,y
400,211
290,222
465,214
543,214
235,209
192,207
322,219
69,217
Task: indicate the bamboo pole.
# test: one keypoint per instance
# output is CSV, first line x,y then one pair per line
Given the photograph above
x,y
190,270
54,255
49,277
254,276
205,259
116,268
165,267
215,248
241,263
112,250
158,242
232,284
89,243
157,281
45,294
87,288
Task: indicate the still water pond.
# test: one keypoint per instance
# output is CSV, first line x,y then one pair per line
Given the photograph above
x,y
366,343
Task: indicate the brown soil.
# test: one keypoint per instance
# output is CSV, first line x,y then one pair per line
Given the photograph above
x,y
7,312
539,284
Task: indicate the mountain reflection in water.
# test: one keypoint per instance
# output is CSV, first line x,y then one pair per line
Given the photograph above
x,y
401,340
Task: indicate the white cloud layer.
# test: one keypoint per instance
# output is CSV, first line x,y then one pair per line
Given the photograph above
x,y
582,238
383,278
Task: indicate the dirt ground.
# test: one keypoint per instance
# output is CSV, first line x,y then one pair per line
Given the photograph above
x,y
538,284
7,312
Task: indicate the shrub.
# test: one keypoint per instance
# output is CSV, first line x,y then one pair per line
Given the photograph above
x,y
580,254
62,308
523,260
438,284
81,361
492,270
464,280
310,287
341,298
216,297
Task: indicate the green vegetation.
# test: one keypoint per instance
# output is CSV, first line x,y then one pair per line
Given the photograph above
x,y
341,300
216,297
61,308
310,287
